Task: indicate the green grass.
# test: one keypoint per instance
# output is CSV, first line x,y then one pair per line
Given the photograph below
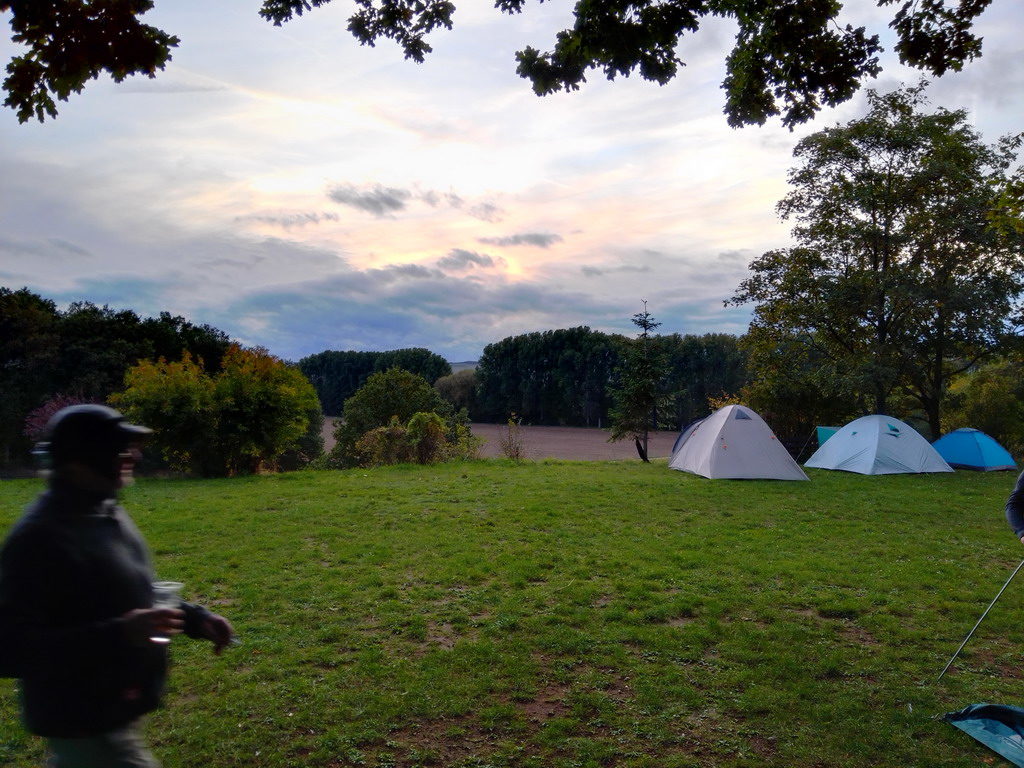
x,y
577,614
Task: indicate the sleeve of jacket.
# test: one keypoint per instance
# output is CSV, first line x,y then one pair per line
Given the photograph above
x,y
195,615
1015,508
34,635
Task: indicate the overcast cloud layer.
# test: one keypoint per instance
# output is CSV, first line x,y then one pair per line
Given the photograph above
x,y
303,193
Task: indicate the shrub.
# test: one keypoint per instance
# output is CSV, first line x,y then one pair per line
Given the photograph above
x,y
393,393
428,437
385,445
511,442
463,444
237,421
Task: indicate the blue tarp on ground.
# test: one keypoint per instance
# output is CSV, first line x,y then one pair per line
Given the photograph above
x,y
973,449
998,727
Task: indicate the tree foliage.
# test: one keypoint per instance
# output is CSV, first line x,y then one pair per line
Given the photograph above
x,y
28,352
395,393
416,360
460,390
900,280
700,368
787,388
82,353
70,42
790,57
237,421
548,377
337,375
565,377
991,398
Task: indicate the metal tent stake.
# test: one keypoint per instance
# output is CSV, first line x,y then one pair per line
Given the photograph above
x,y
979,621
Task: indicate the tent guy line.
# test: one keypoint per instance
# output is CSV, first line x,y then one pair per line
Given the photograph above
x,y
971,633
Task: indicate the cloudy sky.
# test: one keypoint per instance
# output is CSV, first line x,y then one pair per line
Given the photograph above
x,y
303,193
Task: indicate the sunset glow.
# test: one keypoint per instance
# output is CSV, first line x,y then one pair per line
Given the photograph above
x,y
304,193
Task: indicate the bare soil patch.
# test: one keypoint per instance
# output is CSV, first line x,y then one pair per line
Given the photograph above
x,y
570,443
573,443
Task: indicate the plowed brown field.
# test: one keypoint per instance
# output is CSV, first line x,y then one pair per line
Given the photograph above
x,y
579,443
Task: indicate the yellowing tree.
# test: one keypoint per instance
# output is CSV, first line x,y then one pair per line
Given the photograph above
x,y
237,421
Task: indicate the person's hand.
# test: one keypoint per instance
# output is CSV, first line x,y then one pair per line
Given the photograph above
x,y
219,631
144,623
1022,539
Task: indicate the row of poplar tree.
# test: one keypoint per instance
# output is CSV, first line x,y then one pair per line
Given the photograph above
x,y
555,377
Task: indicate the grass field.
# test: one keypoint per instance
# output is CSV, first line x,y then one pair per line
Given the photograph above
x,y
577,614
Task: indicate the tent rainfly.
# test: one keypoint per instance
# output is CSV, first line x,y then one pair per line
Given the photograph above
x,y
878,445
973,449
684,435
734,443
824,433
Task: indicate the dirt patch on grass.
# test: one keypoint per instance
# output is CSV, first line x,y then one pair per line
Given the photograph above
x,y
548,703
762,746
441,636
446,742
848,630
856,634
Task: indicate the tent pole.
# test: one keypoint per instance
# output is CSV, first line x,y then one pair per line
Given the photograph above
x,y
980,620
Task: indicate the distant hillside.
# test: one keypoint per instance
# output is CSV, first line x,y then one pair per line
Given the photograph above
x,y
469,365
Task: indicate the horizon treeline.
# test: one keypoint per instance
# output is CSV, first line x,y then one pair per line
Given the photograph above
x,y
554,377
81,353
560,377
565,377
337,375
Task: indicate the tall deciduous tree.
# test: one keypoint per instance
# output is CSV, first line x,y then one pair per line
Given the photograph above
x,y
901,279
699,368
790,57
29,340
640,394
418,360
459,389
548,377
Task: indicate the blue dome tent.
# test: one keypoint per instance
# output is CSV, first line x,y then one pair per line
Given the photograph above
x,y
973,449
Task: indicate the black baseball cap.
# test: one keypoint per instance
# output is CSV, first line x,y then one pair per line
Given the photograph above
x,y
81,432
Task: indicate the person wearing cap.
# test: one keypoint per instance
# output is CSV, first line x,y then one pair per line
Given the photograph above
x,y
76,602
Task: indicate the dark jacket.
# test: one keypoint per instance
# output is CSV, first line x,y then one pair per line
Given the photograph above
x,y
70,568
1015,508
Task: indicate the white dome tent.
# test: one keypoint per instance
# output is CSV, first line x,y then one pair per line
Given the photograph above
x,y
734,443
878,445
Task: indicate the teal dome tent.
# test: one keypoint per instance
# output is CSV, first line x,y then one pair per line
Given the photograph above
x,y
973,449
